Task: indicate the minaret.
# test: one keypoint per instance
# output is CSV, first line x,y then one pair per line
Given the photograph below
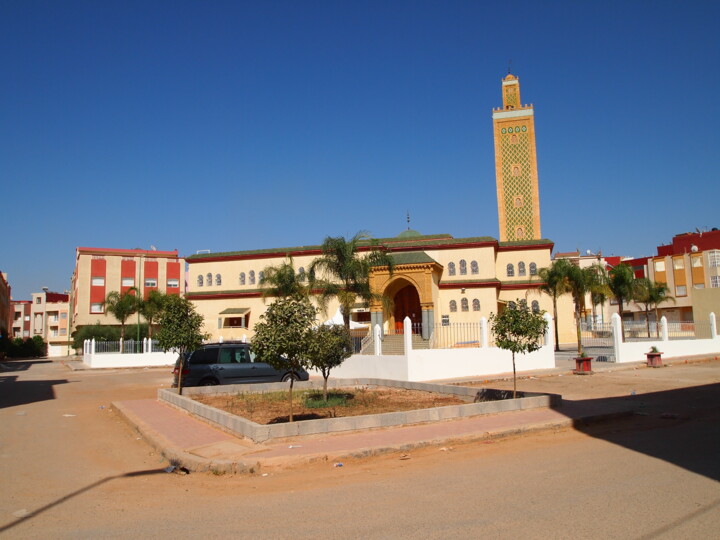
x,y
516,166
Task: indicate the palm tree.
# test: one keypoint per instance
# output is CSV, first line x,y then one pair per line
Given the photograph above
x,y
152,308
623,285
346,273
599,289
282,281
555,286
121,306
579,282
651,294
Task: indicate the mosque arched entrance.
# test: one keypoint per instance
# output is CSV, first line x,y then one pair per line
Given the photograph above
x,y
406,303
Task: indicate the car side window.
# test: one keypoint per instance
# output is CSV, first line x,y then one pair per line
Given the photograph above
x,y
242,355
226,356
204,356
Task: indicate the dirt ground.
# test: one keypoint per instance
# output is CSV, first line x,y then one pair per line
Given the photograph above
x,y
72,468
273,408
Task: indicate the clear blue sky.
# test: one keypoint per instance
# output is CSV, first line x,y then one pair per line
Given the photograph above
x,y
226,126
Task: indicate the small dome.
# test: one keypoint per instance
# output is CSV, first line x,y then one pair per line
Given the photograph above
x,y
409,234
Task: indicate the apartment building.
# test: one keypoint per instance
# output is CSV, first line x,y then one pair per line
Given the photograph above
x,y
99,271
6,312
21,318
47,315
690,266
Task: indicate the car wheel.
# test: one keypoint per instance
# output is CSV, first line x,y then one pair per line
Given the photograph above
x,y
208,382
289,376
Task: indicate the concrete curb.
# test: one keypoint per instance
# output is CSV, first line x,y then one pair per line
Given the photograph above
x,y
180,457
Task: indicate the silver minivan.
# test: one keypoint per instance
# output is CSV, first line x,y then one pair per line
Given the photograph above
x,y
229,363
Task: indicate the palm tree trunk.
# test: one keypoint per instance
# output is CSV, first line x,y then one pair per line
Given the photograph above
x,y
557,338
122,336
577,329
622,323
647,319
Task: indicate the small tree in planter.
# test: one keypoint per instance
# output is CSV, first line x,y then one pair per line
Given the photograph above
x,y
180,330
518,330
654,357
330,346
283,337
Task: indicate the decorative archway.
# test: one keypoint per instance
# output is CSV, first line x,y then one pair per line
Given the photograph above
x,y
410,287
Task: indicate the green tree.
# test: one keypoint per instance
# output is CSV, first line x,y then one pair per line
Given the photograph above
x,y
283,336
330,346
152,308
599,289
346,272
555,285
121,306
180,330
518,330
622,283
282,281
579,284
651,294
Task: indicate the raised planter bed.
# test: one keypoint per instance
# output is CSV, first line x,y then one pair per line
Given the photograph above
x,y
480,402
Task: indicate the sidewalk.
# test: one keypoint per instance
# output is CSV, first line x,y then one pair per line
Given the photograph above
x,y
197,446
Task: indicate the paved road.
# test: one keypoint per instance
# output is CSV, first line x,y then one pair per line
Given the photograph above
x,y
72,469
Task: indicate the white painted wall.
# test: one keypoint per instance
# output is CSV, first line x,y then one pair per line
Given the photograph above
x,y
635,351
117,360
432,364
393,367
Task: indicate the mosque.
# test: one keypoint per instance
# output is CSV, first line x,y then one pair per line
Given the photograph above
x,y
437,279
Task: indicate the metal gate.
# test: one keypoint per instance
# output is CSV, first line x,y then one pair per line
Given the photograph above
x,y
597,341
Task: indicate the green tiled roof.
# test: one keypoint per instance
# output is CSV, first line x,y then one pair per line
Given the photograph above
x,y
411,257
390,243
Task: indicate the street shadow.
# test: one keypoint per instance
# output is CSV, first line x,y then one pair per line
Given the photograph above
x,y
20,365
80,491
679,426
14,392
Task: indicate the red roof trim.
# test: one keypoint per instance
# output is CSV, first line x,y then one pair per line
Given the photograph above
x,y
469,285
255,256
527,247
113,251
222,296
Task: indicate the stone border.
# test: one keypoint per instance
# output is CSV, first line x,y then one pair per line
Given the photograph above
x,y
486,401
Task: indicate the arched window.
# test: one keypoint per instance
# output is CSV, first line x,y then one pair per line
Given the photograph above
x,y
200,280
474,267
453,306
476,304
535,306
520,233
208,279
521,269
510,270
242,278
464,304
218,279
252,277
301,271
451,269
261,276
463,267
533,269
512,305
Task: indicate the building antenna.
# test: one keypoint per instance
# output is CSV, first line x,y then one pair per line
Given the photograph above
x,y
509,66
408,219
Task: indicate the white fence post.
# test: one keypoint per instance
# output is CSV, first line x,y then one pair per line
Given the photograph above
x,y
713,329
664,328
92,346
377,344
616,325
483,333
549,336
407,335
